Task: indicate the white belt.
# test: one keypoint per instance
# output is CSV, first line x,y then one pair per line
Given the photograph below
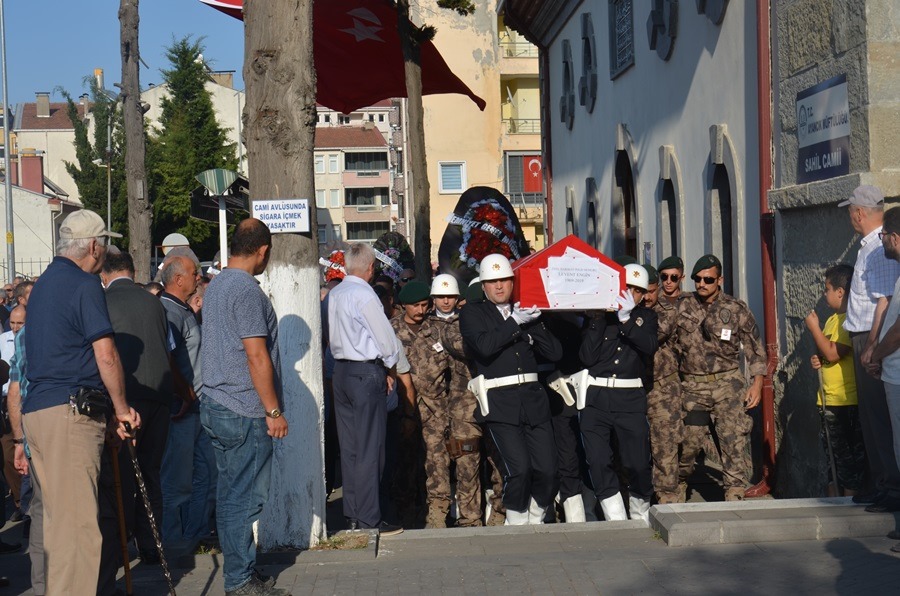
x,y
510,380
614,383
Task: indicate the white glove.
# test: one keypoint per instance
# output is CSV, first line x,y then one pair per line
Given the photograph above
x,y
626,305
525,315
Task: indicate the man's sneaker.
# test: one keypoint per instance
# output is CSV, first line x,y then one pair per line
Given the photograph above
x,y
386,529
254,587
267,580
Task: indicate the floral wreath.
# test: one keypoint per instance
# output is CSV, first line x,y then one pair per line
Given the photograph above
x,y
486,229
334,265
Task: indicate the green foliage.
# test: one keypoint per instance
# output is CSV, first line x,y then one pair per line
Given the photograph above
x,y
189,141
90,176
462,7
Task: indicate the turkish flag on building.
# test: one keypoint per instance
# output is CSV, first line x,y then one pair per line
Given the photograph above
x,y
359,59
532,174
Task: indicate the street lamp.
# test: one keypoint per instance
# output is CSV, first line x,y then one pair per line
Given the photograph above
x,y
108,165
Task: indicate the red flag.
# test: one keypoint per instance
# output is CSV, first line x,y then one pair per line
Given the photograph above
x,y
359,60
533,174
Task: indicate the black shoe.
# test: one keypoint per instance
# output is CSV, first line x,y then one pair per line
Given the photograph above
x,y
386,529
894,535
885,505
16,516
266,580
254,587
5,548
352,524
870,497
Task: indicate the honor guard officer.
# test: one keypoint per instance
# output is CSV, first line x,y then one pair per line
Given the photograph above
x,y
617,348
713,329
664,411
502,339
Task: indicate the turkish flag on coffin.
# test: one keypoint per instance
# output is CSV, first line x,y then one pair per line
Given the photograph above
x,y
359,60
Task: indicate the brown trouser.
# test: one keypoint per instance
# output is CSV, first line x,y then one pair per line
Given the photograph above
x,y
13,478
65,452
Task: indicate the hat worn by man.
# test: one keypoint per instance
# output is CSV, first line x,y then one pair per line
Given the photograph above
x,y
864,196
636,275
705,262
414,291
84,224
673,262
652,273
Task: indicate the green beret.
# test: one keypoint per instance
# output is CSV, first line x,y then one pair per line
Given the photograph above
x,y
625,260
474,293
652,274
414,291
672,262
705,262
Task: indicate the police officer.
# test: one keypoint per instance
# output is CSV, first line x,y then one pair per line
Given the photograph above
x,y
617,348
502,338
713,330
664,409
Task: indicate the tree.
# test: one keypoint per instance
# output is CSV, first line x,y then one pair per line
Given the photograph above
x,y
411,38
139,216
279,125
89,170
189,141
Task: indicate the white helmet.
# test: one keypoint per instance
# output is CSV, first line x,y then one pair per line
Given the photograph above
x,y
444,285
495,267
636,275
172,240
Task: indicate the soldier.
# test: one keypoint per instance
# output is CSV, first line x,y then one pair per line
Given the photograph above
x,y
617,348
664,409
463,442
713,329
502,338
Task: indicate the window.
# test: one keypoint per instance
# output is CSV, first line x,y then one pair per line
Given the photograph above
x,y
342,119
668,220
624,215
524,179
320,164
328,118
366,197
452,177
399,169
381,117
621,37
335,198
336,233
323,233
333,164
371,117
366,162
721,232
367,230
320,199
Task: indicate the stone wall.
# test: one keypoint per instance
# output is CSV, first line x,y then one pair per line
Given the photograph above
x,y
815,40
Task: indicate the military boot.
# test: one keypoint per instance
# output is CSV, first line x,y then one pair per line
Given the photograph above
x,y
436,519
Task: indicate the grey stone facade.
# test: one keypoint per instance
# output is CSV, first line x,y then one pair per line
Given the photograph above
x,y
814,40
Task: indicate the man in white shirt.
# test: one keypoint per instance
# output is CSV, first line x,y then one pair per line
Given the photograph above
x,y
365,352
872,286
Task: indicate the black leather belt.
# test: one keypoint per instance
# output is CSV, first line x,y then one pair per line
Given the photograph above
x,y
377,361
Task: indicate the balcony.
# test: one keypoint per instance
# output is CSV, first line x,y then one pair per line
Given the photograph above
x,y
365,178
357,213
522,126
518,49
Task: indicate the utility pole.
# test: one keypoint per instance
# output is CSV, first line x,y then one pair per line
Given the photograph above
x,y
139,214
7,184
279,126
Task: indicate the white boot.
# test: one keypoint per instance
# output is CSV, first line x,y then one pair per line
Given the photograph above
x,y
590,504
614,508
574,509
516,518
640,509
535,513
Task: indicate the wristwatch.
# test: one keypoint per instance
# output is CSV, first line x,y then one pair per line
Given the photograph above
x,y
274,413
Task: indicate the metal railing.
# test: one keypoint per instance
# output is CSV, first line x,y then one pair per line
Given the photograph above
x,y
25,267
518,49
523,126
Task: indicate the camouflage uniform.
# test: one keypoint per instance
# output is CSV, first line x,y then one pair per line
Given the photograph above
x,y
464,431
664,410
408,481
710,339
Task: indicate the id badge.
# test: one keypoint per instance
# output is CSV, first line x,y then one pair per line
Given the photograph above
x,y
437,347
726,335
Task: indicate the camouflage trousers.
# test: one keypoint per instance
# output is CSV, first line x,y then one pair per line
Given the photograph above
x,y
437,426
664,413
724,400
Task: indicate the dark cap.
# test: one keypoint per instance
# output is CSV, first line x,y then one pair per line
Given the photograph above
x,y
474,293
864,196
414,291
672,262
705,262
626,260
652,274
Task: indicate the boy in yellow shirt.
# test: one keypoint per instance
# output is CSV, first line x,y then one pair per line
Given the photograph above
x,y
835,357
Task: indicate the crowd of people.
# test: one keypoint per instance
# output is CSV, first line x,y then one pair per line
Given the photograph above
x,y
444,405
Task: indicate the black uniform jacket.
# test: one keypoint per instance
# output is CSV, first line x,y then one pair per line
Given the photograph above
x,y
502,348
566,327
612,349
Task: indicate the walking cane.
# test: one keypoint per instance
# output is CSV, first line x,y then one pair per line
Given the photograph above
x,y
143,489
123,538
834,475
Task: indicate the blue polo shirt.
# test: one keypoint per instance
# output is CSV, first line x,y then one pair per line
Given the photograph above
x,y
66,314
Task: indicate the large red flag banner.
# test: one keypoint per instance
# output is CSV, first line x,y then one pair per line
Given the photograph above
x,y
533,175
359,60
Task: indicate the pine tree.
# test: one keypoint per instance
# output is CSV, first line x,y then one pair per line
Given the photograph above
x,y
189,141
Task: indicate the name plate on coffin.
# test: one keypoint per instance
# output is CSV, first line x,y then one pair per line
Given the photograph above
x,y
572,281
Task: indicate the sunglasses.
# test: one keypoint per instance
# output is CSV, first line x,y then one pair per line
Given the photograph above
x,y
707,280
669,276
406,279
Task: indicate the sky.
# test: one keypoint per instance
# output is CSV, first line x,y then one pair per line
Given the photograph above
x,y
57,43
